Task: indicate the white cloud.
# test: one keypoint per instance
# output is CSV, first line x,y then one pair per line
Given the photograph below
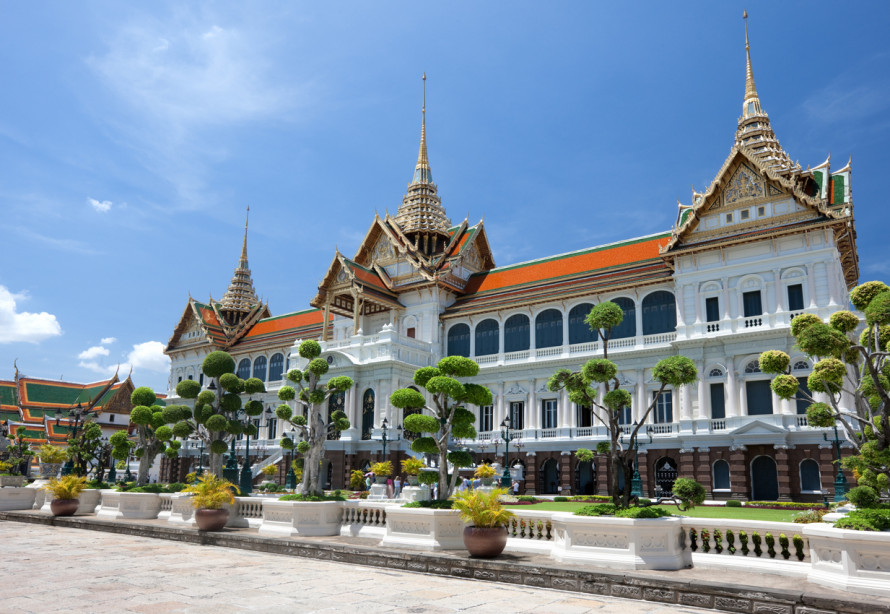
x,y
150,356
107,340
96,350
23,326
95,366
102,206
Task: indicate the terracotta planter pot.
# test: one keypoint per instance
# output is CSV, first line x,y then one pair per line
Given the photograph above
x,y
485,542
64,507
211,520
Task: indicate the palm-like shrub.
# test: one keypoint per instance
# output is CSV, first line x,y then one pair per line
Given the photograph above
x,y
270,470
484,471
482,509
383,469
211,492
413,466
48,453
67,487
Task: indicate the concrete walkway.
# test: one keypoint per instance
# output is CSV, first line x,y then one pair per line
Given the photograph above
x,y
52,569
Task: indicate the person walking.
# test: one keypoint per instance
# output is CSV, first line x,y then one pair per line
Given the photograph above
x,y
398,487
516,487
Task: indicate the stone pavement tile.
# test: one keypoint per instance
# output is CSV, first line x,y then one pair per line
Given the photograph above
x,y
160,607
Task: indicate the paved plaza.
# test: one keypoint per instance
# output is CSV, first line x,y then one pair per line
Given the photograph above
x,y
52,569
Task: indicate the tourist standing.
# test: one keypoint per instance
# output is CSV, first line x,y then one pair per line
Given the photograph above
x,y
398,487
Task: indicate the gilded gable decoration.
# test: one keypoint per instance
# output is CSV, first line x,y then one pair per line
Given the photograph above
x,y
744,185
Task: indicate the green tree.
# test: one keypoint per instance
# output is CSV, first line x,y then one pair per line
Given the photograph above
x,y
311,421
152,434
446,414
85,449
19,453
218,415
850,382
601,375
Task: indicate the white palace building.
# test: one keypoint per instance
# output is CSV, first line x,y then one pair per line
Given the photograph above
x,y
764,242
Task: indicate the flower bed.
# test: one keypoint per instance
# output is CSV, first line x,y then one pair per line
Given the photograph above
x,y
782,505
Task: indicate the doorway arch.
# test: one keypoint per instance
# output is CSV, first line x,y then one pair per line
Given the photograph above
x,y
764,479
549,473
585,478
665,475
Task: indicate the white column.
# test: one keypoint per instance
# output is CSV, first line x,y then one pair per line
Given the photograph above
x,y
811,284
532,412
642,402
727,313
638,312
732,394
698,302
685,402
566,411
702,413
500,338
780,306
743,398
472,339
565,329
681,306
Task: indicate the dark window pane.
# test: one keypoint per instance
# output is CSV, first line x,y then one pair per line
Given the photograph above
x,y
548,414
628,326
579,331
712,309
664,408
516,333
459,340
718,407
276,367
802,396
659,313
795,297
487,338
809,475
259,368
585,416
517,415
548,329
760,398
244,368
721,475
751,303
486,418
367,413
624,416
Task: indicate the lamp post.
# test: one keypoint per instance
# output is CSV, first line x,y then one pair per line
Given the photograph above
x,y
112,471
246,470
383,427
507,436
636,482
200,470
128,476
290,478
230,472
840,481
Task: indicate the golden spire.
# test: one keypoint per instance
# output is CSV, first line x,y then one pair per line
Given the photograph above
x,y
244,245
422,172
750,88
240,297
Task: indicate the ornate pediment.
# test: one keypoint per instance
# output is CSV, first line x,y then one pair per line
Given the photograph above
x,y
745,184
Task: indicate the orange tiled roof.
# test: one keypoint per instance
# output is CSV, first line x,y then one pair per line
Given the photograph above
x,y
628,252
288,321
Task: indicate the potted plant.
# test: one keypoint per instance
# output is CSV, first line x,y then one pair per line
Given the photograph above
x,y
51,460
486,473
486,537
381,471
210,493
65,492
7,475
412,467
18,460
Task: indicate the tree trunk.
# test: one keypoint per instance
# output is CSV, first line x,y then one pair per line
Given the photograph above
x,y
312,459
215,464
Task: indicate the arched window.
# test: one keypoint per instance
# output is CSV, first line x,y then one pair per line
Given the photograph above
x,y
276,367
259,368
810,480
487,337
721,475
516,333
752,367
548,329
367,413
459,340
628,326
579,331
715,373
659,313
336,402
244,368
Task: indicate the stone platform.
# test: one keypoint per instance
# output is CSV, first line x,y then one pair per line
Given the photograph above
x,y
739,592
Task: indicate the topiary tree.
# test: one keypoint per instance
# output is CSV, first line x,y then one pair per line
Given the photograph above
x,y
86,449
851,376
217,417
446,415
153,436
601,375
311,421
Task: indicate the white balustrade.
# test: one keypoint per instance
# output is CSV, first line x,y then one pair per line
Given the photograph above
x,y
718,425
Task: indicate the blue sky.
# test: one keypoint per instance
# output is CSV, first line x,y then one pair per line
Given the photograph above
x,y
133,136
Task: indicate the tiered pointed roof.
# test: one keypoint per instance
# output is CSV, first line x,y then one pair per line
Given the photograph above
x,y
240,298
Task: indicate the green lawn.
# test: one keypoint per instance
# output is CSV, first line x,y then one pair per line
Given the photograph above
x,y
698,512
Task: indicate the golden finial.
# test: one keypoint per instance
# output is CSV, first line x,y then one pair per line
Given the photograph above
x,y
422,158
750,89
244,244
